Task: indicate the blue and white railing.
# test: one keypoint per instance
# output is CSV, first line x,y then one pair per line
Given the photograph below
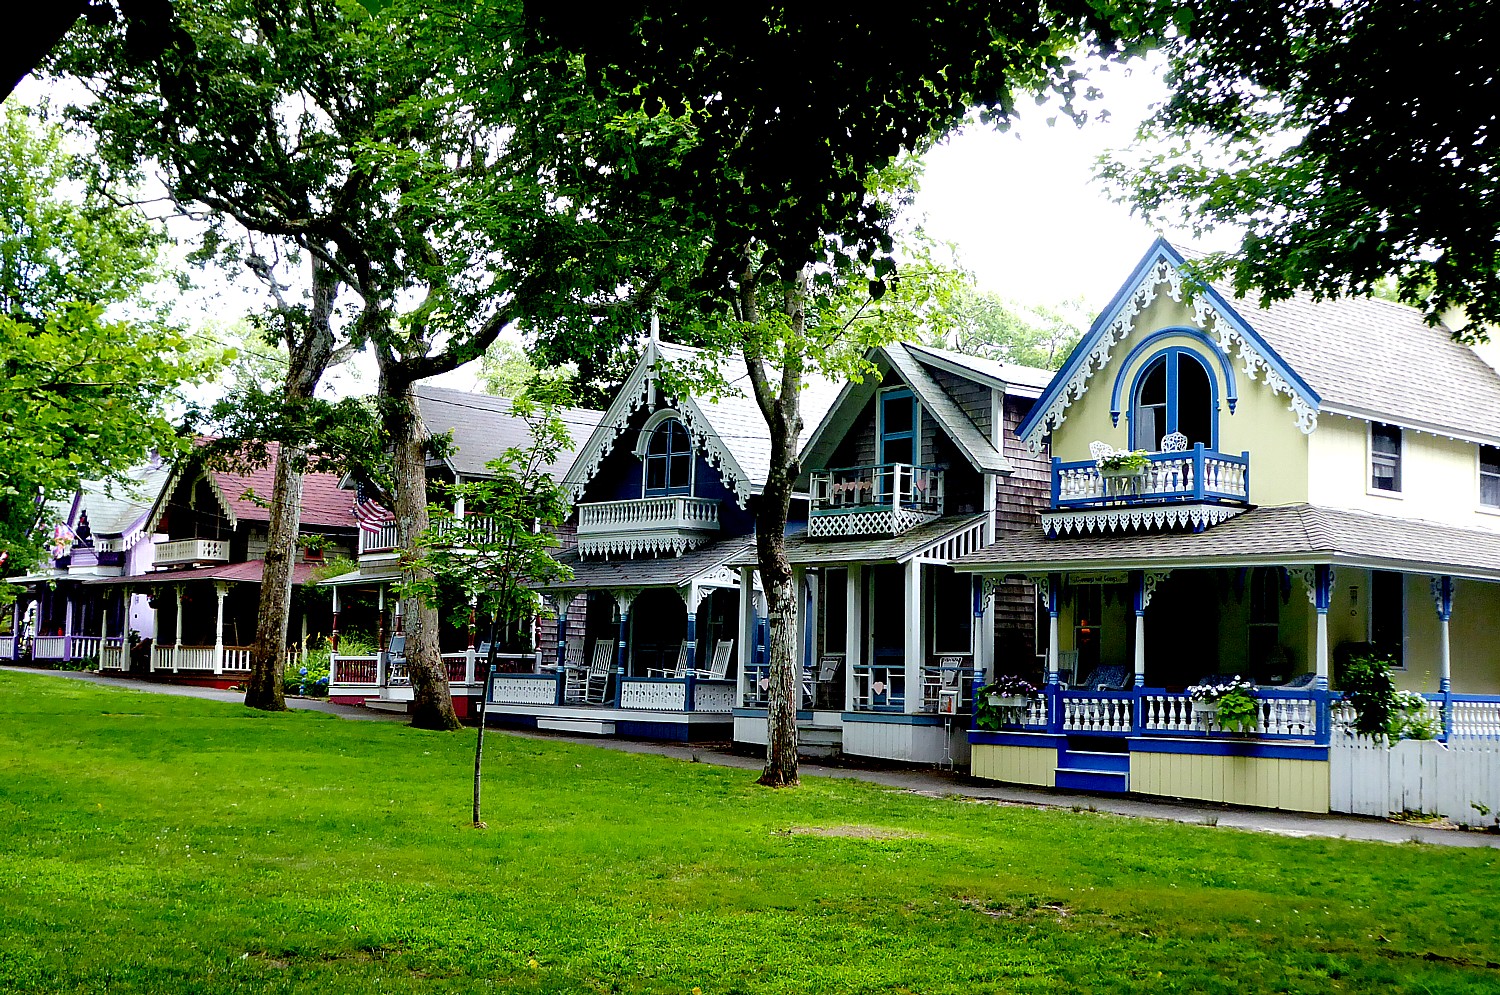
x,y
1197,475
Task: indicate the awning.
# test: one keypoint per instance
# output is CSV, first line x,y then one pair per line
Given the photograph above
x,y
1288,535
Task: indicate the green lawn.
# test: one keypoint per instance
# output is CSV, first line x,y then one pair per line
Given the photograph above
x,y
156,844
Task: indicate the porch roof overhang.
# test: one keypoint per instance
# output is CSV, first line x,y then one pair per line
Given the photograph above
x,y
37,578
1289,535
804,551
248,572
700,565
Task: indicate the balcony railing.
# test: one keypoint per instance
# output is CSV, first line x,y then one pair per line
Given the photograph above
x,y
1199,475
186,551
382,541
646,525
885,499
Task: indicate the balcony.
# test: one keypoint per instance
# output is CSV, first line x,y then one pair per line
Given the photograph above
x,y
882,500
384,541
1194,489
654,525
185,552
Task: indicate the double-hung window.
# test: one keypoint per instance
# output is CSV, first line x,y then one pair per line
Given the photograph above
x,y
1489,476
669,460
1385,458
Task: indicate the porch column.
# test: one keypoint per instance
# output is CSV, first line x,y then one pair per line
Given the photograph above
x,y
302,645
984,626
177,644
1051,590
103,627
15,628
913,617
746,635
799,642
67,653
469,650
221,589
854,631
691,602
379,615
560,608
333,632
1442,596
1322,595
623,600
1138,581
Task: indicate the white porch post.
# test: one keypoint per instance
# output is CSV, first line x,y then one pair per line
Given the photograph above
x,y
1442,596
1051,587
746,639
103,629
854,630
1322,594
221,589
177,645
1140,628
799,599
913,614
984,638
469,650
302,645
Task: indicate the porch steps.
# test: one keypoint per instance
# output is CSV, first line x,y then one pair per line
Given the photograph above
x,y
386,705
1089,770
590,727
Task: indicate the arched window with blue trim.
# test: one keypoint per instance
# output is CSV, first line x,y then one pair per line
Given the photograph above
x,y
1174,392
669,460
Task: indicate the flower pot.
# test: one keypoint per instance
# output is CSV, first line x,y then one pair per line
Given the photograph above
x,y
1203,709
1122,481
1008,700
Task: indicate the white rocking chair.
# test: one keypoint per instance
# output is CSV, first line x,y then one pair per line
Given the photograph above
x,y
719,666
678,672
584,685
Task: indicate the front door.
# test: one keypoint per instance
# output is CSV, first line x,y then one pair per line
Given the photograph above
x,y
887,649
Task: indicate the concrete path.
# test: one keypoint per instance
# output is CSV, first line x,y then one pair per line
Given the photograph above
x,y
928,782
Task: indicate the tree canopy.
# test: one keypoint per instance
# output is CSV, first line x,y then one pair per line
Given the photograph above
x,y
1352,141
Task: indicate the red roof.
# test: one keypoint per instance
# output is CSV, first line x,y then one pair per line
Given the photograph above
x,y
323,504
248,572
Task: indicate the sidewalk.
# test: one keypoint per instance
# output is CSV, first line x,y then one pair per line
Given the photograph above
x,y
934,783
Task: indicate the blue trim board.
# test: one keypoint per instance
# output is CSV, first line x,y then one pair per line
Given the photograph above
x,y
1228,748
1035,740
1160,249
898,718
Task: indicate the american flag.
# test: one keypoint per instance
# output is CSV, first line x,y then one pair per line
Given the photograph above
x,y
371,514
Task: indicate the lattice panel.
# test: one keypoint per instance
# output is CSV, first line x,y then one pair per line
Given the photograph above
x,y
658,696
713,698
519,691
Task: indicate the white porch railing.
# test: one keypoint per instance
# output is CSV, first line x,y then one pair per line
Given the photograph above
x,y
113,655
1098,713
184,551
49,647
7,647
1199,474
680,512
84,648
382,541
880,687
353,670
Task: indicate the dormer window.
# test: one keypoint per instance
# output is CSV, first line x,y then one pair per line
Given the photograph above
x,y
1489,476
1385,458
669,460
1173,393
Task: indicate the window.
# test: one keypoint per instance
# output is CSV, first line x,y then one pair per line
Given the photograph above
x,y
1385,457
1489,476
1388,614
1265,620
669,460
898,424
952,612
1088,614
1174,393
834,624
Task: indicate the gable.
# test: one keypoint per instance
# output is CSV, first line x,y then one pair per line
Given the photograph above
x,y
1158,282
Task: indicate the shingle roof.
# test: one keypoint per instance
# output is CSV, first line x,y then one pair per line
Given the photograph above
x,y
937,403
323,504
802,549
1288,534
247,572
113,508
664,571
736,418
1378,358
1008,373
484,428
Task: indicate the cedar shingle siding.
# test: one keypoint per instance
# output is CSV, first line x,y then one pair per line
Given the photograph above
x,y
972,398
1020,499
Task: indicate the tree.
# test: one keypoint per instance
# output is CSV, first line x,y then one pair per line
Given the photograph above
x,y
499,553
789,123
1008,332
416,161
33,36
1288,119
90,373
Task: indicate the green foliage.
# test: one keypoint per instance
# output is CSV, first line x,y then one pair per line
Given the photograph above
x,y
988,325
1238,711
310,853
988,715
1123,460
1410,718
1286,120
1365,678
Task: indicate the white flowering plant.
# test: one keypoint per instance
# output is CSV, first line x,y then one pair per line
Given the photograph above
x,y
1213,693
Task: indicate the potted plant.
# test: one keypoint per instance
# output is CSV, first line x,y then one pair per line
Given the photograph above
x,y
1001,701
1123,463
1232,704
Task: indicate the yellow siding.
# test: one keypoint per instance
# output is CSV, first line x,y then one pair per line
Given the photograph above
x,y
1014,764
1296,785
1439,476
1262,423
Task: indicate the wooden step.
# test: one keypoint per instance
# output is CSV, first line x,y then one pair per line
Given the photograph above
x,y
1083,779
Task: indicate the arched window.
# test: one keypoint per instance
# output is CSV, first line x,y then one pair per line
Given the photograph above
x,y
669,460
1174,392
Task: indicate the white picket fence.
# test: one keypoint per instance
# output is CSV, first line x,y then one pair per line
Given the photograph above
x,y
1367,777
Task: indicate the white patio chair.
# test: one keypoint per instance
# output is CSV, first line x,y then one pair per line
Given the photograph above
x,y
719,666
935,681
1174,442
678,672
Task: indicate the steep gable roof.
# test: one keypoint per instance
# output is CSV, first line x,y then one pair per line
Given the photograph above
x,y
246,496
484,427
729,430
1027,381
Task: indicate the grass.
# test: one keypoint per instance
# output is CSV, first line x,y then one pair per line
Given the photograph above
x,y
158,844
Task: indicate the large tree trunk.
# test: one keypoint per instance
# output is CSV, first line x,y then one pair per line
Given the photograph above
x,y
307,358
432,705
268,656
784,420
